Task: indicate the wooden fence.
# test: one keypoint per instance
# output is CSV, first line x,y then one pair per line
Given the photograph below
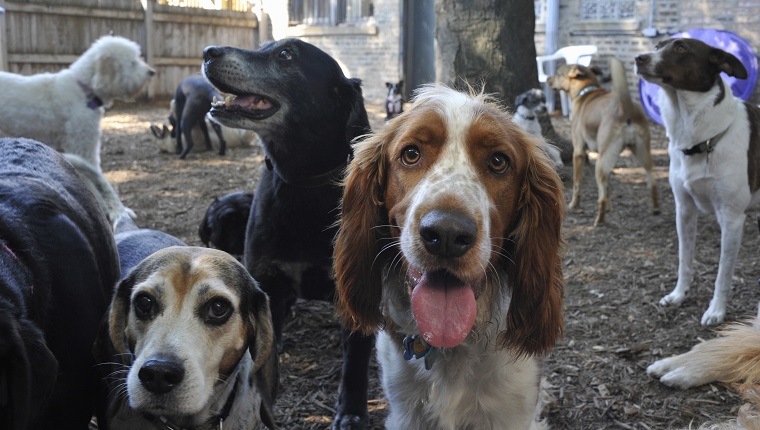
x,y
47,35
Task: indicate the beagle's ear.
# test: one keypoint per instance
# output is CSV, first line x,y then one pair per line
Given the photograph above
x,y
357,246
119,313
261,348
534,320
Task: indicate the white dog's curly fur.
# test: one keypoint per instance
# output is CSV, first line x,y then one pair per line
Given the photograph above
x,y
64,109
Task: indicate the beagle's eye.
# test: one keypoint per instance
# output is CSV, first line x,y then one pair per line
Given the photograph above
x,y
410,155
145,306
285,55
217,311
499,163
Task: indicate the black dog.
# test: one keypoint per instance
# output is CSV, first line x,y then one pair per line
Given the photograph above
x,y
223,225
58,266
394,100
306,112
192,101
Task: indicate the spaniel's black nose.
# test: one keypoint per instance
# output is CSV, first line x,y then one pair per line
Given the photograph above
x,y
447,234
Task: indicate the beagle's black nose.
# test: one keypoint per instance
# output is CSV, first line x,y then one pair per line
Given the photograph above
x,y
161,375
447,234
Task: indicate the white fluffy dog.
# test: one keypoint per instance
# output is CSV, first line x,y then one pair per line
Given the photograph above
x,y
64,109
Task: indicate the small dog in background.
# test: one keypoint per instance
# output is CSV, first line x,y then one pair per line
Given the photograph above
x,y
394,103
192,101
528,106
233,137
223,225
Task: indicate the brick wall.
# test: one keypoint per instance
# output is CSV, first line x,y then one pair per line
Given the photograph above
x,y
370,52
625,41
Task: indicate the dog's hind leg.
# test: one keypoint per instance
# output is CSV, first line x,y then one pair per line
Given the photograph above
x,y
222,143
351,407
187,130
206,137
731,229
604,165
686,227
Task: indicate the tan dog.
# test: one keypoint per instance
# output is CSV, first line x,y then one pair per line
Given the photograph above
x,y
605,122
194,332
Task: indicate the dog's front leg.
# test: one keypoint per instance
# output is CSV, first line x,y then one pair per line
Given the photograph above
x,y
351,407
731,230
686,226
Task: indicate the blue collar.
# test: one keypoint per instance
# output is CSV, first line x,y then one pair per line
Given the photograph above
x,y
415,347
587,89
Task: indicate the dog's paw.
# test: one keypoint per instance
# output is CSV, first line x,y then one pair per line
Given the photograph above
x,y
349,422
673,299
682,378
714,315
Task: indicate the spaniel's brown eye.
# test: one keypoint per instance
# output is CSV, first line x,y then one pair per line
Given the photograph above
x,y
499,163
410,155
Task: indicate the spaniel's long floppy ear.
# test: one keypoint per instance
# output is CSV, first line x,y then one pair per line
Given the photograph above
x,y
534,320
363,223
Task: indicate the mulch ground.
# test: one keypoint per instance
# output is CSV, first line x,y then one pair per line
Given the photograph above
x,y
615,275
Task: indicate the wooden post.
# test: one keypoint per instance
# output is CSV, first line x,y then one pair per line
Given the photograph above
x,y
149,54
3,39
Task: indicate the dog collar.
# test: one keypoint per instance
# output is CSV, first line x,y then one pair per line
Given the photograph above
x,y
328,178
215,423
93,101
527,118
705,147
586,89
415,347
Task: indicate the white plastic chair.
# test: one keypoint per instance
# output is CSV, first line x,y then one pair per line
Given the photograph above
x,y
576,54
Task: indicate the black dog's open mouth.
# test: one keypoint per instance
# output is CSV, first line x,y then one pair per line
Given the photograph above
x,y
253,106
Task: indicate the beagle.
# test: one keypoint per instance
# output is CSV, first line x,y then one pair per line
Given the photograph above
x,y
195,334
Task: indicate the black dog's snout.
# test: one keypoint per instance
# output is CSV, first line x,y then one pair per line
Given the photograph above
x,y
642,59
447,234
212,52
161,375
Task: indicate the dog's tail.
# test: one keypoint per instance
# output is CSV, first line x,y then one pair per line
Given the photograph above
x,y
104,193
620,87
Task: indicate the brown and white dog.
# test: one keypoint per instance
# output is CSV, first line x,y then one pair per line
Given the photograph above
x,y
450,240
605,122
196,334
714,154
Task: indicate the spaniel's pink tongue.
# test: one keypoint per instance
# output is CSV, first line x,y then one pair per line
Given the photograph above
x,y
444,308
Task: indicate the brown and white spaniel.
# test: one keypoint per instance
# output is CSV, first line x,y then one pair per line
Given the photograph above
x,y
450,242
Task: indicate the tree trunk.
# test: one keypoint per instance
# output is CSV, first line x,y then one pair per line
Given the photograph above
x,y
486,43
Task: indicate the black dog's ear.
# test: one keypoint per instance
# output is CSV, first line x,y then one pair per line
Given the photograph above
x,y
358,123
728,63
400,84
388,85
158,132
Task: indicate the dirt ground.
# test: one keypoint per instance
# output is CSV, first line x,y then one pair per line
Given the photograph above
x,y
615,275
